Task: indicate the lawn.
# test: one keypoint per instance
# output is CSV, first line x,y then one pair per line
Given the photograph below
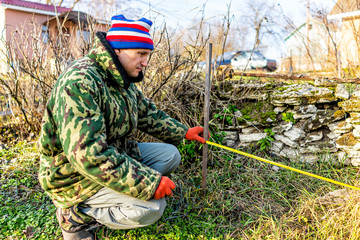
x,y
244,199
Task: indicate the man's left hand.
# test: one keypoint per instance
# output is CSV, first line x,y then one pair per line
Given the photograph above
x,y
164,188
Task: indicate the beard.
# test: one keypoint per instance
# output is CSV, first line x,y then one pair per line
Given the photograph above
x,y
139,78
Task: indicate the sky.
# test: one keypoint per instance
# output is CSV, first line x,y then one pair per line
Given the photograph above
x,y
182,14
182,11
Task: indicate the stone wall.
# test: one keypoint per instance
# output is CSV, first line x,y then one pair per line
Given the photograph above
x,y
349,141
308,121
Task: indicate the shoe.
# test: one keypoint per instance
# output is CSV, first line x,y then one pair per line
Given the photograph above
x,y
80,235
73,226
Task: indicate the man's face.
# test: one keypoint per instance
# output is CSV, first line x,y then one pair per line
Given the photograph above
x,y
133,60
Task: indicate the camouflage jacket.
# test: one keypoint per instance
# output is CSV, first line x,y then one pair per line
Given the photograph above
x,y
93,110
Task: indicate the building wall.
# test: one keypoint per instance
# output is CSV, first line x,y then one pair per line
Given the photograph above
x,y
2,37
20,27
350,43
75,37
319,54
22,21
2,22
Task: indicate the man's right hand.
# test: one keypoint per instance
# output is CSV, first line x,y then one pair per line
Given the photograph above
x,y
164,188
196,133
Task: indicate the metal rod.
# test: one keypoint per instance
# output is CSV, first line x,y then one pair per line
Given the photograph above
x,y
206,114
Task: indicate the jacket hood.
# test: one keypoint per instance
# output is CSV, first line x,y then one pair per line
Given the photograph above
x,y
104,55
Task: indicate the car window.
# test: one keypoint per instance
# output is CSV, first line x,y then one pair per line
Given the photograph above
x,y
258,56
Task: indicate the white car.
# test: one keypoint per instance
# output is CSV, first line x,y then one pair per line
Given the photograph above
x,y
201,66
245,61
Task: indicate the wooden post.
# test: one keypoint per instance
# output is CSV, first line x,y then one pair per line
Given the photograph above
x,y
206,115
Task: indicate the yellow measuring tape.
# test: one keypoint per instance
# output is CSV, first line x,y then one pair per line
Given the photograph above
x,y
281,165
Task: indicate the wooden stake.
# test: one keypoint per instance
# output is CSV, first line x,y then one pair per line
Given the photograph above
x,y
206,115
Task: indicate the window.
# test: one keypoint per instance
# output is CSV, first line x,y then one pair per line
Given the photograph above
x,y
45,34
258,56
83,36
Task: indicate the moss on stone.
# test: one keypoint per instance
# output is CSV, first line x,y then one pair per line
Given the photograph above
x,y
257,111
302,94
347,140
342,124
246,112
339,114
315,99
321,118
351,105
266,115
282,88
332,88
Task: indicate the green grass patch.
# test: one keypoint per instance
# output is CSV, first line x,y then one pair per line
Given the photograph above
x,y
244,199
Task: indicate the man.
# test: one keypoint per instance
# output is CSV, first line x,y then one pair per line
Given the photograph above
x,y
89,165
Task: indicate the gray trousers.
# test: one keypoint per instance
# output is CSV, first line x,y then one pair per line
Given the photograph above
x,y
120,211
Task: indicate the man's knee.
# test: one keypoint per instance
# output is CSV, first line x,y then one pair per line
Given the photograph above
x,y
174,159
142,216
176,155
128,215
162,157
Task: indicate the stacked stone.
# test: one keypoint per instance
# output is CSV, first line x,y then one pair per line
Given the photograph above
x,y
242,133
310,138
349,141
320,131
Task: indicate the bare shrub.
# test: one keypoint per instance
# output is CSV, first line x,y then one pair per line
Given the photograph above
x,y
33,60
171,76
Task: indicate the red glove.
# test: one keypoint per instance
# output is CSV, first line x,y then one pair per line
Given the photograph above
x,y
164,188
196,133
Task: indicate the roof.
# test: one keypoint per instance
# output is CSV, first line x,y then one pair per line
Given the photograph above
x,y
343,6
76,17
33,5
295,31
312,20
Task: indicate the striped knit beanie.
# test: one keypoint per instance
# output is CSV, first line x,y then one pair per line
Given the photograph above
x,y
125,33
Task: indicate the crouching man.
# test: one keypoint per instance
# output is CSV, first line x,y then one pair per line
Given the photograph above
x,y
89,165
